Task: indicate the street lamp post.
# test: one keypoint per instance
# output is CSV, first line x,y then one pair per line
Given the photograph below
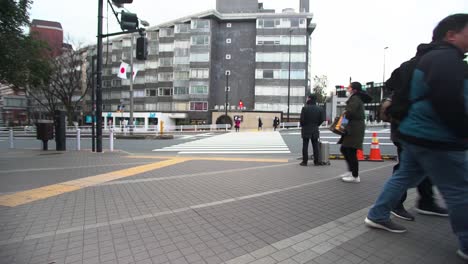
x,y
289,72
383,76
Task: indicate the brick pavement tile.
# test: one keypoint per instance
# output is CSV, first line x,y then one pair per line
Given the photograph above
x,y
160,259
125,260
284,254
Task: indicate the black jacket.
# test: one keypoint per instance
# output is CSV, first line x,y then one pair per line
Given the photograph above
x,y
311,118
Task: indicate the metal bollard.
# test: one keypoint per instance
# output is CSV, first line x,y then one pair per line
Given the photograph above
x,y
12,142
111,140
78,139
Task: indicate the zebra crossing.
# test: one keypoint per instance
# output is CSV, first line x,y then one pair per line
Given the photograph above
x,y
233,143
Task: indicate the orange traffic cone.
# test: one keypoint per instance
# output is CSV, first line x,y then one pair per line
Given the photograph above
x,y
375,149
360,155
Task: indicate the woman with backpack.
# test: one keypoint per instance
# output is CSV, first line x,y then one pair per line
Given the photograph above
x,y
352,140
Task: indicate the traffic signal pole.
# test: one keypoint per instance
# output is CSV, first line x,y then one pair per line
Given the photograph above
x,y
99,80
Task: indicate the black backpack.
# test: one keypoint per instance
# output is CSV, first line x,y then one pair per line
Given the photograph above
x,y
395,108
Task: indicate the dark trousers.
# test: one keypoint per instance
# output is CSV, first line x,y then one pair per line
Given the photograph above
x,y
351,159
305,149
426,194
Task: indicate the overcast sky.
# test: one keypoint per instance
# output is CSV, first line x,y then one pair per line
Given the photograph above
x,y
348,42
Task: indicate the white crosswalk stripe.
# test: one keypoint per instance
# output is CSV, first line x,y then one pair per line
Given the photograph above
x,y
233,143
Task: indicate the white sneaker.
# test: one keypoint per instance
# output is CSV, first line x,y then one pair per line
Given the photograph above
x,y
351,179
346,174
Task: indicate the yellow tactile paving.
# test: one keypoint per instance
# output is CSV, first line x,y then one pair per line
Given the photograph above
x,y
28,196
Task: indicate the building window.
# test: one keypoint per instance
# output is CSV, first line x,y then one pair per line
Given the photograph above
x,y
165,91
199,73
166,47
116,83
181,75
200,24
151,92
181,28
139,93
180,106
165,76
166,32
267,74
198,106
228,25
199,57
199,89
166,62
150,107
200,40
106,83
181,90
181,60
182,44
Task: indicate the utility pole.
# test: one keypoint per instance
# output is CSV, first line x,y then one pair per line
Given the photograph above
x,y
99,81
131,84
289,72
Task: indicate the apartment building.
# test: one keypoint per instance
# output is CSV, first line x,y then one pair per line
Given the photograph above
x,y
253,53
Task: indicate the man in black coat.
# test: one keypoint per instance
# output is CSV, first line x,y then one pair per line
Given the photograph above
x,y
311,118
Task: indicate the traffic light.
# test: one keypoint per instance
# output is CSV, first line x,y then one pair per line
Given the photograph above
x,y
142,48
119,3
128,21
241,104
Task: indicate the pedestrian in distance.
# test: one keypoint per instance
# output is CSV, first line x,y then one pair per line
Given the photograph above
x,y
311,118
353,138
260,124
276,122
434,134
237,124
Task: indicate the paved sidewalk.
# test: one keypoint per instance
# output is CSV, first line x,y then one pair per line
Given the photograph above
x,y
82,207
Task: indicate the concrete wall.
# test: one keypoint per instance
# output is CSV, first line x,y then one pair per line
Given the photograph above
x,y
241,64
237,6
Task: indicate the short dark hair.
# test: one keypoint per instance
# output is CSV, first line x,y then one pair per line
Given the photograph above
x,y
456,22
312,98
356,86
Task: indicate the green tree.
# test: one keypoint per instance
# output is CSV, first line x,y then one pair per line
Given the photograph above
x,y
21,55
319,86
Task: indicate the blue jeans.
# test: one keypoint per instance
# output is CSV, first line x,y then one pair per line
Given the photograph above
x,y
448,170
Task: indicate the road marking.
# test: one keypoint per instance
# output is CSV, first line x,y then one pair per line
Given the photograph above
x,y
212,158
233,143
44,192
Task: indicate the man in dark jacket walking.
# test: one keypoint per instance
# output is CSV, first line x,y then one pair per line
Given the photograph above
x,y
311,118
434,135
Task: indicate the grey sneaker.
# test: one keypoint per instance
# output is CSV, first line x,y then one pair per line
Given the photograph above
x,y
403,214
462,255
389,226
432,209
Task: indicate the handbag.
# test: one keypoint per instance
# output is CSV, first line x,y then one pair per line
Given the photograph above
x,y
339,124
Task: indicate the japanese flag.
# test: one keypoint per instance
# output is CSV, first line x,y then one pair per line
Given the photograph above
x,y
135,71
123,70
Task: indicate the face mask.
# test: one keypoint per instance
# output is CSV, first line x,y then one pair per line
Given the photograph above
x,y
348,94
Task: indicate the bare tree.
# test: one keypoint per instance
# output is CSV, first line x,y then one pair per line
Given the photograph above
x,y
320,84
67,85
